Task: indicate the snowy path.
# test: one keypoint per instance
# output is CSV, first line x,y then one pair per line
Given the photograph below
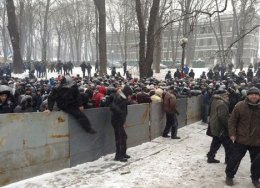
x,y
161,163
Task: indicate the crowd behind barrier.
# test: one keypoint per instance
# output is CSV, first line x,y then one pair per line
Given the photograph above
x,y
35,143
32,143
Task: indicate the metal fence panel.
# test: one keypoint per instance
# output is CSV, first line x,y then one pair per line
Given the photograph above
x,y
86,147
31,142
137,124
194,109
36,143
182,109
157,120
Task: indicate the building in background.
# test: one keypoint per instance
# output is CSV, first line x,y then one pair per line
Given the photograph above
x,y
205,44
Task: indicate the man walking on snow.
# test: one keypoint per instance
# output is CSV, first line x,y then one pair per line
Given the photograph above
x,y
244,131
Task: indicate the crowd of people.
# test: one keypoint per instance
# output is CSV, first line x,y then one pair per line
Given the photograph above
x,y
226,99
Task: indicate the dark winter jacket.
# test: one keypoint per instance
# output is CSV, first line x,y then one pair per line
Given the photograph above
x,y
119,110
6,107
219,116
65,98
233,100
244,123
142,97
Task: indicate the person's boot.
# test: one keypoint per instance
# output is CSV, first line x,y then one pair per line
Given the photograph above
x,y
126,156
229,181
256,183
165,136
212,160
91,131
176,137
121,159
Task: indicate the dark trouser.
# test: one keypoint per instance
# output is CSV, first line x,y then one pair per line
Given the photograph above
x,y
171,124
239,151
215,145
120,138
204,112
80,117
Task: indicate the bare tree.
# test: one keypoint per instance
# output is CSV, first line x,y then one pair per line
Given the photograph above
x,y
14,36
100,4
4,38
243,14
146,57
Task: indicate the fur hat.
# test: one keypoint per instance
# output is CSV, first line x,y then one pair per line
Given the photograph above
x,y
159,92
253,90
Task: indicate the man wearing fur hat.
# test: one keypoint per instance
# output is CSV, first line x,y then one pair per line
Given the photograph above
x,y
218,125
244,131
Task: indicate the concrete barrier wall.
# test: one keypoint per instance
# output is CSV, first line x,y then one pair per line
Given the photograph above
x,y
193,109
35,143
32,144
157,120
182,109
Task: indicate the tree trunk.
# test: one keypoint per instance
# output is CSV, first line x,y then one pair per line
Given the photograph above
x,y
45,30
4,38
146,60
30,31
22,28
14,36
150,38
100,4
97,39
157,46
142,39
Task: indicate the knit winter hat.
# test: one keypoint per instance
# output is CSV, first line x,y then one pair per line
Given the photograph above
x,y
253,90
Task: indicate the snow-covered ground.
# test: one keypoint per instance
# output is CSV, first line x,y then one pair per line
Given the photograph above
x,y
133,70
162,162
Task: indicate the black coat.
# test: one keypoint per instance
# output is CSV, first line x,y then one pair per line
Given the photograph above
x,y
119,110
65,98
6,107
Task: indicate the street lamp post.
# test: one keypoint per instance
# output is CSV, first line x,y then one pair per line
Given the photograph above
x,y
183,41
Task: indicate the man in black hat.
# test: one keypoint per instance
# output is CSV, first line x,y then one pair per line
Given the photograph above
x,y
244,131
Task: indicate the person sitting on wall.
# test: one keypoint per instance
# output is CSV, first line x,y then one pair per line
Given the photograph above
x,y
67,97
